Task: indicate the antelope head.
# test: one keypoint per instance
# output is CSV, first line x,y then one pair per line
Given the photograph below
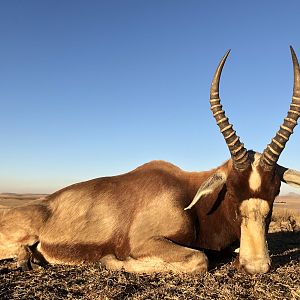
x,y
252,180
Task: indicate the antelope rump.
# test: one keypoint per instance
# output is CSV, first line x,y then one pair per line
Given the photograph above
x,y
158,218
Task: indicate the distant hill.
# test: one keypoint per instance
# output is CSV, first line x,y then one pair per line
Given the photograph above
x,y
20,196
8,200
289,196
292,195
289,201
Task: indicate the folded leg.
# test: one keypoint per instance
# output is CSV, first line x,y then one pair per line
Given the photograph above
x,y
160,255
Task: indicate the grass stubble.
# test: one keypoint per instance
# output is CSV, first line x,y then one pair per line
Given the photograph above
x,y
221,282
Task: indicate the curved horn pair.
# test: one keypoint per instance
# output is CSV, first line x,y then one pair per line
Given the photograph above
x,y
237,150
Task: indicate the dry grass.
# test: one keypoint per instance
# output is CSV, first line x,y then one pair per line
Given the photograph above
x,y
284,219
94,282
221,282
284,214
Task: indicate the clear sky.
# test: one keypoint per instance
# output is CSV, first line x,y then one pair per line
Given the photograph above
x,y
96,88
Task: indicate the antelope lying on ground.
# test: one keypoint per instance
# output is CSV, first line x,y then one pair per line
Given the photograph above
x,y
157,217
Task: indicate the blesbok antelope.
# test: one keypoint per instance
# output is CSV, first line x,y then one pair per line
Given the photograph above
x,y
158,217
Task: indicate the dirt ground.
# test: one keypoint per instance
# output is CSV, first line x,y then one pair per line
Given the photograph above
x,y
221,282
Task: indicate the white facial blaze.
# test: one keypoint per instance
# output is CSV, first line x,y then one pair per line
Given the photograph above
x,y
255,179
254,256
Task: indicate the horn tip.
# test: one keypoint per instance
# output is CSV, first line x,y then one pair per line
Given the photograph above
x,y
294,56
291,47
292,50
227,53
222,62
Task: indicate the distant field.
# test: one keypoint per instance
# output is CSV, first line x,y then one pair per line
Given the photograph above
x,y
12,199
289,202
283,205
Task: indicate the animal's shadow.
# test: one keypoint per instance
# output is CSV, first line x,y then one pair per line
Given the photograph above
x,y
284,247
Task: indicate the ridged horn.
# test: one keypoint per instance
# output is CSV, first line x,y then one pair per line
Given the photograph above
x,y
237,150
271,154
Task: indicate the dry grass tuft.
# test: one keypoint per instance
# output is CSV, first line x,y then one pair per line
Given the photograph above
x,y
284,219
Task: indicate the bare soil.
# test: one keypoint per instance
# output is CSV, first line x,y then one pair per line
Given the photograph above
x,y
222,281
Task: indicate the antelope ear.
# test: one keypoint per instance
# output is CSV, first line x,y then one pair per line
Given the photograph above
x,y
289,176
214,183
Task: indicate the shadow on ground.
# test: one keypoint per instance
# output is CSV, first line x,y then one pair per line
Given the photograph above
x,y
284,247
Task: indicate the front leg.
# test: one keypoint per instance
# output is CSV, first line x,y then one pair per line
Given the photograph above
x,y
160,255
29,258
24,258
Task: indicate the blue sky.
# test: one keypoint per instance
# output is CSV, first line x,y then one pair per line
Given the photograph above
x,y
96,88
